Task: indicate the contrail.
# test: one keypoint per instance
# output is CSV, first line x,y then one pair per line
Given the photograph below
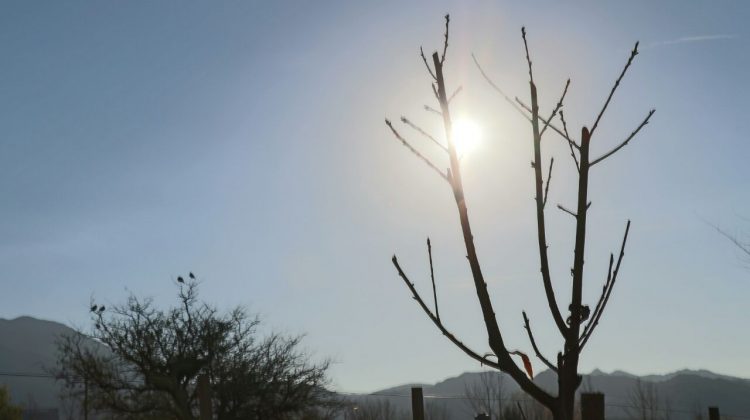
x,y
685,39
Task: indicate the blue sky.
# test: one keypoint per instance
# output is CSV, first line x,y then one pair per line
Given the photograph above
x,y
244,141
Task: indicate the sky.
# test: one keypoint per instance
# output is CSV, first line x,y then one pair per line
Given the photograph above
x,y
244,141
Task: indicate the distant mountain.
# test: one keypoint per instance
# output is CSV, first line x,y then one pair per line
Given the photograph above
x,y
27,348
685,393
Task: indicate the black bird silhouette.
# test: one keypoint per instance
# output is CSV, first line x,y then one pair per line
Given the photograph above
x,y
191,275
101,309
180,279
93,308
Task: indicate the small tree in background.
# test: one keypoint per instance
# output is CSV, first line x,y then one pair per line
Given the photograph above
x,y
8,410
577,327
140,362
487,395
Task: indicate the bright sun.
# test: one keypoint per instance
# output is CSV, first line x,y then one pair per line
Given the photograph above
x,y
466,136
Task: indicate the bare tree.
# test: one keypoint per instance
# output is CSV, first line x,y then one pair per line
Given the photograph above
x,y
576,329
141,362
645,403
486,396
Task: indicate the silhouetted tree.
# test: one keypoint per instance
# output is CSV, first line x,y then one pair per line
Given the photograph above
x,y
645,403
486,396
577,327
141,362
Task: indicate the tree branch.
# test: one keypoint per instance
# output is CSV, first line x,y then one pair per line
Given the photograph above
x,y
549,178
572,152
611,279
552,126
456,92
413,150
435,320
627,140
432,277
445,44
526,47
533,344
614,88
557,108
504,360
424,60
540,199
424,133
433,110
498,90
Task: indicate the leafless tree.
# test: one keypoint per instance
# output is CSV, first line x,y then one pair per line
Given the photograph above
x,y
576,329
142,362
486,396
645,403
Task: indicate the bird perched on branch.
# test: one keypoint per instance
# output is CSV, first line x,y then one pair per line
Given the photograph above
x,y
180,279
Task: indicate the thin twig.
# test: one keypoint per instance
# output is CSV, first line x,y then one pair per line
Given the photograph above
x,y
432,276
549,177
557,108
552,126
533,344
433,110
526,47
627,140
413,150
570,212
456,92
572,152
605,291
739,244
498,90
540,202
471,353
595,318
614,88
424,59
422,132
445,44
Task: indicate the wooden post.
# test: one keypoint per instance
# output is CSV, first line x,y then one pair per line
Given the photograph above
x,y
713,413
204,397
592,406
417,404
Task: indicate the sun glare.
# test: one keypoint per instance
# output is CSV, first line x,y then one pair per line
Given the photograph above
x,y
466,136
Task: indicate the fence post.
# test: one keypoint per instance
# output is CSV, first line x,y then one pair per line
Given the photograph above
x,y
417,404
592,406
204,397
713,413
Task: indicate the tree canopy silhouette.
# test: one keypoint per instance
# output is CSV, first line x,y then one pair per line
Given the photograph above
x,y
143,362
